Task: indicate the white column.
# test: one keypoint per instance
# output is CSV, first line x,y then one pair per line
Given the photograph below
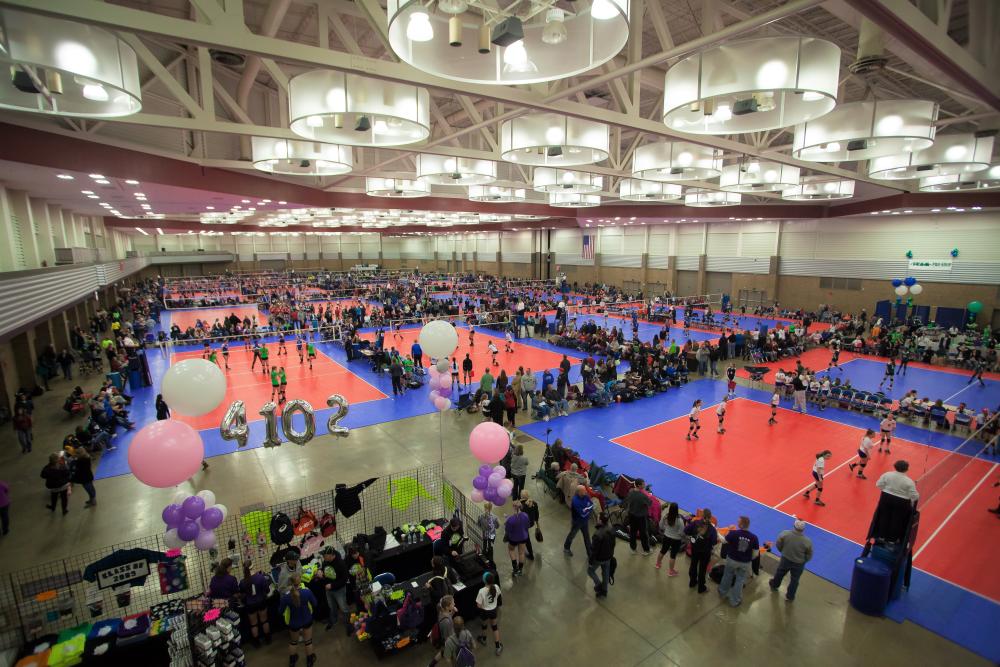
x,y
20,206
8,260
46,249
58,227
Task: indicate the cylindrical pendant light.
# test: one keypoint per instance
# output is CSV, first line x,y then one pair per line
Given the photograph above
x,y
573,200
672,161
447,170
63,68
528,52
553,140
496,194
401,188
330,106
820,188
701,198
988,179
867,130
547,179
752,85
633,189
950,154
300,158
753,175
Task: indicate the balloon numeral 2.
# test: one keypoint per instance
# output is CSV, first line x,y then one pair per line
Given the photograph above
x,y
234,423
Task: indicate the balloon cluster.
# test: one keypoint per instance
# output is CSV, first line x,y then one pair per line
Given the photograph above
x,y
489,442
438,339
491,485
193,518
908,284
167,452
440,384
974,307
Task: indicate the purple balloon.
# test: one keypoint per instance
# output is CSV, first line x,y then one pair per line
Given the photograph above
x,y
188,530
211,518
485,470
205,540
193,507
172,515
445,392
500,470
494,480
500,501
490,495
480,483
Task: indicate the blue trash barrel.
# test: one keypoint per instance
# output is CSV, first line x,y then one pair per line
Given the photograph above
x,y
870,586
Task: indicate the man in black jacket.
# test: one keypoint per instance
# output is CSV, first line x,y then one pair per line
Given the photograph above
x,y
602,551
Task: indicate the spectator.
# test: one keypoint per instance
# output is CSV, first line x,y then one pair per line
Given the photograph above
x,y
83,475
297,607
518,470
488,524
162,410
672,527
22,426
703,539
516,532
741,548
334,573
56,476
602,552
461,641
530,508
581,507
446,627
223,585
796,550
255,589
638,502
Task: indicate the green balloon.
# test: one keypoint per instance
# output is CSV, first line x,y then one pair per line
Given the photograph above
x,y
974,306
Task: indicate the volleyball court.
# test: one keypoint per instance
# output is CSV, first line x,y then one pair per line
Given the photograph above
x,y
772,465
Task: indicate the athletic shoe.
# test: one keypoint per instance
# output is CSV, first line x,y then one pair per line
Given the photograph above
x,y
499,648
567,552
634,552
819,502
696,437
688,436
672,573
806,494
481,639
647,553
861,476
657,566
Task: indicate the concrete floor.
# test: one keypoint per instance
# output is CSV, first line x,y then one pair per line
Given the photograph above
x,y
550,615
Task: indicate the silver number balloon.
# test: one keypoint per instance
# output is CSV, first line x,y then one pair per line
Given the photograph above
x,y
234,424
334,420
298,437
271,438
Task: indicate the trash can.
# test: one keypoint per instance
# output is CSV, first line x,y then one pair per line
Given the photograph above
x,y
870,586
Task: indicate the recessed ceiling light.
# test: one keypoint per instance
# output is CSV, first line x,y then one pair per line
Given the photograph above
x,y
977,208
895,212
65,177
935,210
908,211
282,203
959,210
885,210
951,208
93,197
874,213
131,181
142,231
244,201
96,176
102,181
210,208
138,194
86,192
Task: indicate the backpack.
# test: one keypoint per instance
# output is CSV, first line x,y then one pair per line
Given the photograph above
x,y
327,524
411,614
464,657
282,530
305,523
435,635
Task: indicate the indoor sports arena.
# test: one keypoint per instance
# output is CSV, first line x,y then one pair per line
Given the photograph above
x,y
553,332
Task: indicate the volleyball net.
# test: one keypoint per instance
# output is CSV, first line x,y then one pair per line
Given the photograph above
x,y
497,320
939,475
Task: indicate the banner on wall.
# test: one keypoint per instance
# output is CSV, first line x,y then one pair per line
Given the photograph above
x,y
930,264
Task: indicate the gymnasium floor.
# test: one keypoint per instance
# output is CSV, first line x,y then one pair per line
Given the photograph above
x,y
752,469
762,470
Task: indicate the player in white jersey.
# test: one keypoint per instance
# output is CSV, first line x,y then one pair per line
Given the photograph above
x,y
887,426
693,424
864,452
720,412
775,400
819,465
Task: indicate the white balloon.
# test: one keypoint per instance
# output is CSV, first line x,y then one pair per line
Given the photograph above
x,y
438,339
917,289
193,387
222,508
901,290
172,540
180,497
208,497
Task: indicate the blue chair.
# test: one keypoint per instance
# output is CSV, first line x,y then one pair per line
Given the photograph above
x,y
938,415
386,579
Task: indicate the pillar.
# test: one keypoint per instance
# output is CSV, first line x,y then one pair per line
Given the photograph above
x,y
46,247
8,259
702,278
672,274
773,274
20,208
43,335
60,331
25,357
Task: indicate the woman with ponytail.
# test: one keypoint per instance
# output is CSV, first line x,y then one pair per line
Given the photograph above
x,y
818,467
297,607
489,601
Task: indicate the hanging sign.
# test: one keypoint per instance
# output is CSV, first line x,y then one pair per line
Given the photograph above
x,y
930,264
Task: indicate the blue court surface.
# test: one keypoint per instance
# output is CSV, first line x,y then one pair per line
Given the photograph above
x,y
949,384
646,329
962,616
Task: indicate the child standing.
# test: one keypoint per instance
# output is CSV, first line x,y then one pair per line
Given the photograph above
x,y
509,344
721,414
693,417
300,349
731,385
284,384
275,383
819,465
311,353
263,359
889,374
225,353
493,351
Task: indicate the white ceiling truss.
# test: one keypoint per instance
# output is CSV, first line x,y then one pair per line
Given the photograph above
x,y
200,110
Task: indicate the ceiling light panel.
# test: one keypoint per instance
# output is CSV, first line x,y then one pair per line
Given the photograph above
x,y
553,140
673,161
867,130
447,170
634,189
547,179
300,158
950,154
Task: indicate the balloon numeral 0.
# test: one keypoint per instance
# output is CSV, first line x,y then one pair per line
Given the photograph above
x,y
298,437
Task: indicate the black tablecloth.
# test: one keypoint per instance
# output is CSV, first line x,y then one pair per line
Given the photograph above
x,y
405,561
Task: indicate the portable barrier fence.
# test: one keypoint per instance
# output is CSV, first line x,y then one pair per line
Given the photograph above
x,y
47,598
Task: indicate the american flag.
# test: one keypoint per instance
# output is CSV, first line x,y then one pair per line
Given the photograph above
x,y
588,246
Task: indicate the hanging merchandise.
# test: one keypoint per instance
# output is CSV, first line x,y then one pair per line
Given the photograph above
x,y
173,573
405,490
305,523
348,499
327,524
94,600
282,529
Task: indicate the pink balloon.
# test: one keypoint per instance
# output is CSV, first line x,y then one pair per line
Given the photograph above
x,y
442,403
489,442
165,453
434,395
476,496
505,488
500,470
432,371
443,381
